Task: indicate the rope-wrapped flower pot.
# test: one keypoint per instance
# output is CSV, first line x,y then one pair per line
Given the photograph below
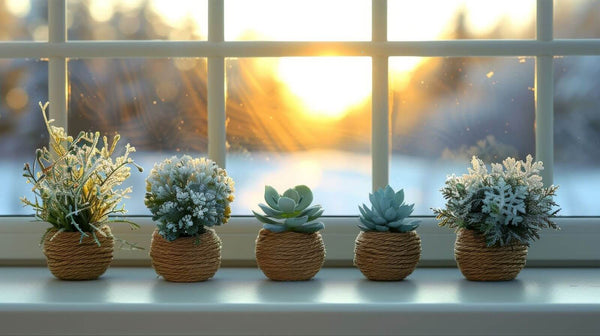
x,y
76,185
496,214
387,256
478,262
70,259
187,197
186,259
388,248
289,256
289,247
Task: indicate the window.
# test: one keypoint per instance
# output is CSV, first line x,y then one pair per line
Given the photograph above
x,y
402,95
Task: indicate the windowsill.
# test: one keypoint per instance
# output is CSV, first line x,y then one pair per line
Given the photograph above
x,y
132,301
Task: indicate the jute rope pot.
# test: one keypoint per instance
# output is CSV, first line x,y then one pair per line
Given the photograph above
x,y
289,256
477,262
387,256
68,259
186,259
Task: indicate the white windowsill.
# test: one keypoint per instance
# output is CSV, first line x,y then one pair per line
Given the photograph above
x,y
240,301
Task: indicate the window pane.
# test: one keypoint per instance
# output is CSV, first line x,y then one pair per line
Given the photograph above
x,y
23,83
577,134
577,18
137,19
300,121
460,19
298,20
444,110
157,105
23,20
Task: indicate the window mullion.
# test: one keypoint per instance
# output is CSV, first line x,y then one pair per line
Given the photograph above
x,y
57,65
544,93
216,86
380,147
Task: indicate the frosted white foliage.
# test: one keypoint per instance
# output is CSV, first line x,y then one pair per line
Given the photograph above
x,y
503,204
186,194
76,180
507,203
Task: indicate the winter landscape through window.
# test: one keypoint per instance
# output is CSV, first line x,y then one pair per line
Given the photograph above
x,y
298,109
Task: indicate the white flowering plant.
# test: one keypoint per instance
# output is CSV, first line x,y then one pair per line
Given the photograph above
x,y
186,194
508,205
75,183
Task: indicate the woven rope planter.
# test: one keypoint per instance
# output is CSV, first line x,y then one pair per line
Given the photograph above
x,y
289,256
185,260
387,256
68,259
477,262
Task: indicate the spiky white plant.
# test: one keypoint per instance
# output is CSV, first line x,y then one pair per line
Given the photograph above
x,y
507,205
187,194
75,183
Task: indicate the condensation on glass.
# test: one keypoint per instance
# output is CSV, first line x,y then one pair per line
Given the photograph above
x,y
137,20
445,110
297,121
23,83
577,134
298,20
157,105
460,19
23,20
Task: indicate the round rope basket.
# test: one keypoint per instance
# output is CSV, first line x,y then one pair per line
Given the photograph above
x,y
477,262
70,259
186,259
387,256
289,256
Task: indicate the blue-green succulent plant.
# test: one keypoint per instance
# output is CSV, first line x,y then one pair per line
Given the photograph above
x,y
290,211
388,212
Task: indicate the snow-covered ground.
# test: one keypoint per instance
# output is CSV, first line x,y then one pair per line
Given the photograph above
x,y
340,181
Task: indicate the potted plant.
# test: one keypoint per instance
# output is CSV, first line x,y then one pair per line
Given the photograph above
x,y
289,247
75,185
187,197
388,247
497,214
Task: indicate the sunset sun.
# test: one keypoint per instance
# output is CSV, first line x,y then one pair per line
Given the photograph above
x,y
327,86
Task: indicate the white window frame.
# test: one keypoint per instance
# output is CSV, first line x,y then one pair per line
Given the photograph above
x,y
574,245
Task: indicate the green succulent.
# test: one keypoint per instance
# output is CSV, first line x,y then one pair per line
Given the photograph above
x,y
290,211
388,212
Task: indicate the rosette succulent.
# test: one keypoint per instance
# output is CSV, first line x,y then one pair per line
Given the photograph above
x,y
187,194
388,212
290,211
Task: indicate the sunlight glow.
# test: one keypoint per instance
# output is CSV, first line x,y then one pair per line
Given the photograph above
x,y
484,16
331,87
306,20
101,10
328,86
19,8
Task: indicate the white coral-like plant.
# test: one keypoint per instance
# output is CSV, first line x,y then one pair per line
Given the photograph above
x,y
508,204
187,194
76,181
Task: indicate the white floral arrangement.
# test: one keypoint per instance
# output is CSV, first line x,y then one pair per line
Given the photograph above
x,y
76,181
508,205
187,194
